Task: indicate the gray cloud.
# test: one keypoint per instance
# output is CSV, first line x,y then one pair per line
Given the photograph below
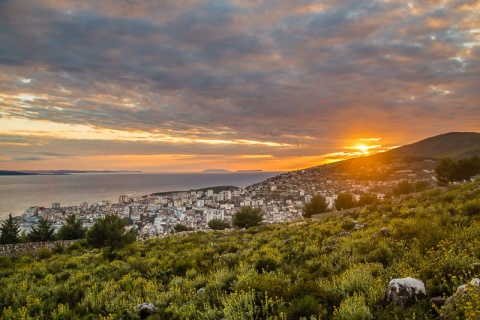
x,y
269,71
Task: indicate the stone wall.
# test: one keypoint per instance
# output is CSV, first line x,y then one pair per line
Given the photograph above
x,y
33,247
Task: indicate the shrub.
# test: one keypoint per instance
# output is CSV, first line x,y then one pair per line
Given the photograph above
x,y
305,306
353,307
471,208
217,224
182,228
44,253
265,264
348,224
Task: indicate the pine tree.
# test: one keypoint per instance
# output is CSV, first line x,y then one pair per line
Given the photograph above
x,y
110,232
43,232
10,231
72,230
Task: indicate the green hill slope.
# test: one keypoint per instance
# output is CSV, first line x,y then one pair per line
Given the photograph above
x,y
456,145
328,269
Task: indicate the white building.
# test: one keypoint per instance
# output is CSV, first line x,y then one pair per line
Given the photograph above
x,y
215,214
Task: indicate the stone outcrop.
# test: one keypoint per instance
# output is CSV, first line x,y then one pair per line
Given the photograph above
x,y
461,291
146,309
404,292
385,232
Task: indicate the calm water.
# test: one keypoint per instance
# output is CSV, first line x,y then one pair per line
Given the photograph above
x,y
17,193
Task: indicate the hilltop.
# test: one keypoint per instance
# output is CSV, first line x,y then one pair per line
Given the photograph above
x,y
456,145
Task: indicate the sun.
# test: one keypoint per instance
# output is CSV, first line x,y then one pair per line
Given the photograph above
x,y
363,148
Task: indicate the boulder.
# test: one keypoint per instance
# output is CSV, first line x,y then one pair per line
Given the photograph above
x,y
329,248
404,292
461,290
200,292
385,232
146,309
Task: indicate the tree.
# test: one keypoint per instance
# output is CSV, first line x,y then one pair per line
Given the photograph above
x,y
421,185
43,232
318,204
404,187
10,231
465,169
247,217
345,201
218,224
449,170
72,230
445,170
110,232
367,199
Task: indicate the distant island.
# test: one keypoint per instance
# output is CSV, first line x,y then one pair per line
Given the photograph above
x,y
215,171
226,171
215,189
15,173
55,172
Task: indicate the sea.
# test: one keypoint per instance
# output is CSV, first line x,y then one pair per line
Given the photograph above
x,y
18,193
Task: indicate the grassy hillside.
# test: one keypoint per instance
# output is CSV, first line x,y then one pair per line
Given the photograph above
x,y
455,145
326,269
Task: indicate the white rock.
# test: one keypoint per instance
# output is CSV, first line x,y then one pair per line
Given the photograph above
x,y
404,292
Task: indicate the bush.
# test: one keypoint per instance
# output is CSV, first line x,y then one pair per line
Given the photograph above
x,y
182,228
471,208
265,265
305,306
353,307
217,224
44,253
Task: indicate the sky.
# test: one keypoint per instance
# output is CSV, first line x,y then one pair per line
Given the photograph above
x,y
189,85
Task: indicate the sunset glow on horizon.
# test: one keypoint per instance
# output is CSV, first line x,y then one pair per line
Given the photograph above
x,y
233,84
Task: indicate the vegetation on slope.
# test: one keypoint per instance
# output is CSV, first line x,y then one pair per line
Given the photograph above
x,y
326,269
456,145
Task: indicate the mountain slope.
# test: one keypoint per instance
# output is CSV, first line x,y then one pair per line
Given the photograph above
x,y
455,145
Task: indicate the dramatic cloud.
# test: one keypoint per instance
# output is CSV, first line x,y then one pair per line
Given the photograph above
x,y
276,82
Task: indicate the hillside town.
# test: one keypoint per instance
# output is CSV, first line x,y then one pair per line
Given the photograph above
x,y
281,199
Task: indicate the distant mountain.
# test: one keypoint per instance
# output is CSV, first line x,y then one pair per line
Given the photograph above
x,y
14,173
215,171
455,145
